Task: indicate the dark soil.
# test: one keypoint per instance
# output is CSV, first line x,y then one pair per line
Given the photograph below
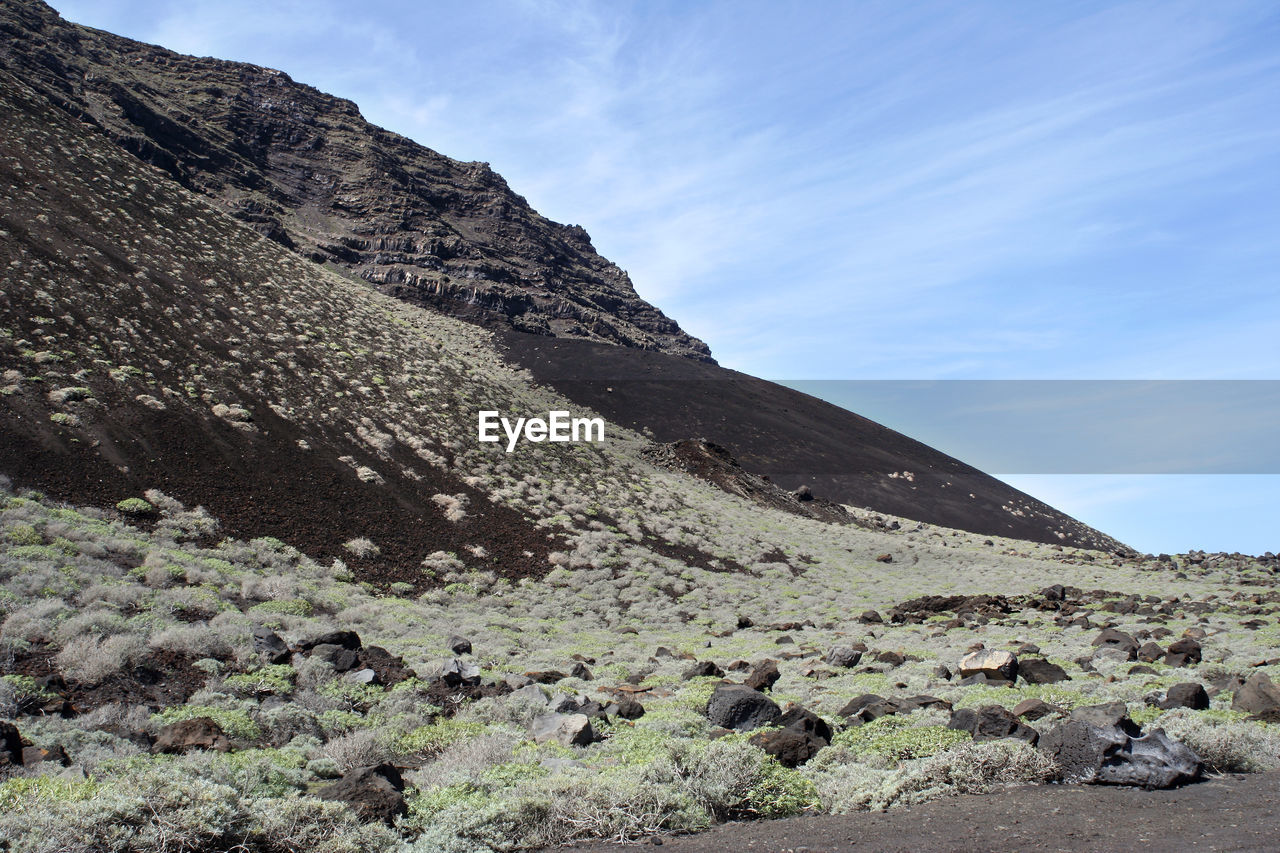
x,y
161,679
258,483
1238,813
262,484
791,438
711,462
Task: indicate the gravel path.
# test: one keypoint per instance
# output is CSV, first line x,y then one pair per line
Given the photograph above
x,y
1240,813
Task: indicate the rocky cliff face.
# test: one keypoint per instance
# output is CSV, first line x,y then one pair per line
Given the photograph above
x,y
306,170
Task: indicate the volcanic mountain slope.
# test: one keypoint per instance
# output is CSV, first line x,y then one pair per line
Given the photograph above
x,y
794,439
307,170
304,169
375,681
148,340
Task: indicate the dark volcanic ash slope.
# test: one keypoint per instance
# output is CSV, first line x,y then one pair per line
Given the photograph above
x,y
794,439
147,341
305,169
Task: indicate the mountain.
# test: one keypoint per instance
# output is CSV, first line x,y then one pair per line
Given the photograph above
x,y
304,170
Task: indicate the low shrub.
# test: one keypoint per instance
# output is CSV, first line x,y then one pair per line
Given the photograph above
x,y
1224,744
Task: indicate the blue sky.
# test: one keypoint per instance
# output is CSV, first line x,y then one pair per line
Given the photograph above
x,y
864,190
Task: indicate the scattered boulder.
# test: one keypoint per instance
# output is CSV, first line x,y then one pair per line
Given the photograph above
x,y
1090,754
391,669
1109,715
1257,696
869,707
871,617
741,707
995,664
268,645
792,747
1183,652
703,669
1150,652
1034,709
763,675
1054,593
186,735
594,711
565,729
345,639
865,708
530,692
374,793
10,746
893,659
992,722
457,673
362,676
843,656
33,755
802,719
1186,695
1110,638
625,708
559,703
803,733
1040,671
339,657
458,645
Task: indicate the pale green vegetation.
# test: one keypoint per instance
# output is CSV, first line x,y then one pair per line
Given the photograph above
x,y
482,783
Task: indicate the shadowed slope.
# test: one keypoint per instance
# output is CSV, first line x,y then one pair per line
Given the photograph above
x,y
794,439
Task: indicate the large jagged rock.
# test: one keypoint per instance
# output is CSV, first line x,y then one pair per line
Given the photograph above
x,y
737,706
1188,694
1041,671
564,729
10,746
992,722
1259,697
186,735
995,664
1090,754
763,675
268,645
1110,638
802,734
458,673
803,720
843,656
374,793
